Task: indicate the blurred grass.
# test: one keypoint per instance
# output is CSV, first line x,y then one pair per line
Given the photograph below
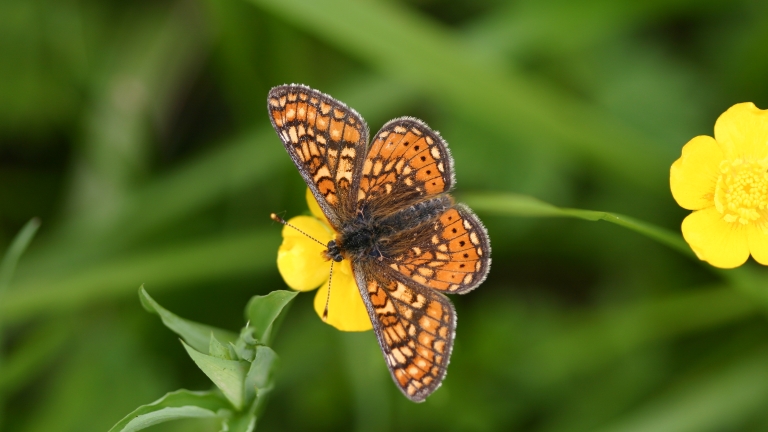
x,y
138,134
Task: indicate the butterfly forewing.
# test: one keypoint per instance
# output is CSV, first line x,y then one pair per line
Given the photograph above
x,y
407,162
327,142
415,328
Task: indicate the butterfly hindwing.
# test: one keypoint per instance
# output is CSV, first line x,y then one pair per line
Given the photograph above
x,y
414,326
326,140
450,253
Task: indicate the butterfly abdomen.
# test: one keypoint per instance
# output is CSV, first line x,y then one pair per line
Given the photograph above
x,y
419,213
366,236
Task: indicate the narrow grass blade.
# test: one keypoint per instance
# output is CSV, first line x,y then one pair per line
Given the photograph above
x,y
407,46
245,252
17,248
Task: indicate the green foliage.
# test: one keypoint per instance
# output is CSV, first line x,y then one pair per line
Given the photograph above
x,y
242,371
138,135
174,406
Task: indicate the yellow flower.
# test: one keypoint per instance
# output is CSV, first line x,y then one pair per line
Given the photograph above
x,y
725,180
302,266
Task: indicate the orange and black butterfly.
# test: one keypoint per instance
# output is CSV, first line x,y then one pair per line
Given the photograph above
x,y
407,241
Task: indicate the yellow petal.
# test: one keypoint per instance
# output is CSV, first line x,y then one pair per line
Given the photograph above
x,y
693,177
299,258
742,132
346,310
314,207
720,243
758,243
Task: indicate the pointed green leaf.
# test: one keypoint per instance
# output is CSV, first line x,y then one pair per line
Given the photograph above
x,y
260,373
262,311
195,334
174,406
218,349
245,422
259,378
228,375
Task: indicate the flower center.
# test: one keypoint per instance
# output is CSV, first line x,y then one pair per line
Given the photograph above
x,y
741,194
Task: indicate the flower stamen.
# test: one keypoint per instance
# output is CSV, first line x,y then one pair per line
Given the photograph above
x,y
741,193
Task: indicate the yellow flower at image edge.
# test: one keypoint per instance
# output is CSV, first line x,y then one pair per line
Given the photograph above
x,y
302,266
725,181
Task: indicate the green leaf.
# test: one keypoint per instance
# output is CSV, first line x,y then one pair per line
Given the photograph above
x,y
245,422
195,334
218,349
262,311
228,375
15,250
506,204
258,382
174,406
260,374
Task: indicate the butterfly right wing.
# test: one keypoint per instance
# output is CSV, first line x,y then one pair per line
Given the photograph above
x,y
414,326
407,162
326,140
450,253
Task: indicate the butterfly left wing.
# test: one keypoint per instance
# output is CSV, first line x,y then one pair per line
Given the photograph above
x,y
326,140
415,328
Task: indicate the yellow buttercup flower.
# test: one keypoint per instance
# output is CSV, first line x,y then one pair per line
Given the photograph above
x,y
725,180
302,266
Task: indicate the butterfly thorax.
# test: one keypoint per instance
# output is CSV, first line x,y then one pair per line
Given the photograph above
x,y
369,236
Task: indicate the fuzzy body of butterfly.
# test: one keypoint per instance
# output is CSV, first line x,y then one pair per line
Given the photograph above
x,y
407,240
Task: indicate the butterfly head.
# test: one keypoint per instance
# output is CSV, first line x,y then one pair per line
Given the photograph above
x,y
333,252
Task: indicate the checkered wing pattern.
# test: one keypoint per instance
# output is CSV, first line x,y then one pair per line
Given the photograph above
x,y
407,162
415,328
449,254
326,140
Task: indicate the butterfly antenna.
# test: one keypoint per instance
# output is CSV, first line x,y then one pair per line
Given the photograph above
x,y
277,218
328,296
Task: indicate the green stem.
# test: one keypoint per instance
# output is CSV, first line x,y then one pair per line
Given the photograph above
x,y
747,279
507,204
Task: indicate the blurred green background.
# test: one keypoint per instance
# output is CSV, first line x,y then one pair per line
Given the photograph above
x,y
138,133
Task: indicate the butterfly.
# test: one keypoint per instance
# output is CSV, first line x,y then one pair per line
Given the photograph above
x,y
407,240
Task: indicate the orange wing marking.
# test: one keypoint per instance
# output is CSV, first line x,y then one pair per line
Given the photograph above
x,y
415,332
455,259
322,135
406,158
